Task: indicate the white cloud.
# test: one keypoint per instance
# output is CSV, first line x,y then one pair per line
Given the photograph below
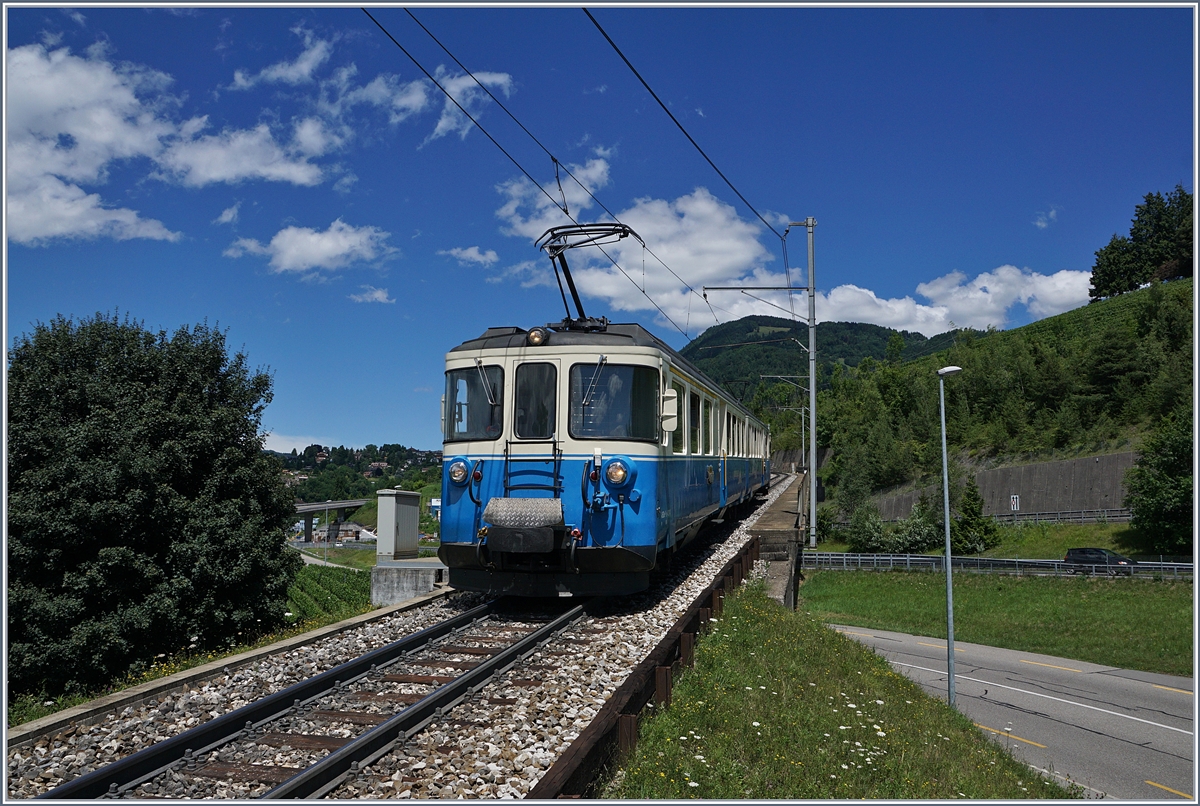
x,y
313,138
1044,220
68,118
54,209
529,273
465,90
300,249
545,212
471,255
299,71
400,99
233,156
699,237
986,299
229,215
372,294
706,243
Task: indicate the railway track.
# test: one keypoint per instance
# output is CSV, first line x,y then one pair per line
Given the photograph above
x,y
331,723
492,702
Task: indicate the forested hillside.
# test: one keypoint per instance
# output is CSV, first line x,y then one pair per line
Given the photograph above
x,y
736,354
1087,380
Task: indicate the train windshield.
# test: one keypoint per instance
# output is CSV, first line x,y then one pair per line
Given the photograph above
x,y
614,402
537,393
474,403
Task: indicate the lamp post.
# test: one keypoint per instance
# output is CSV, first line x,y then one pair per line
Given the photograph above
x,y
328,501
942,373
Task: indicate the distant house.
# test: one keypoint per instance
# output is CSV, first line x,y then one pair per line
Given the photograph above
x,y
348,530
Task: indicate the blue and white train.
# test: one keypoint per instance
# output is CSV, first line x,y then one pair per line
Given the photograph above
x,y
579,456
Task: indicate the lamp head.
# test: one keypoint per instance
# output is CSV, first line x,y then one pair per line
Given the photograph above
x,y
947,371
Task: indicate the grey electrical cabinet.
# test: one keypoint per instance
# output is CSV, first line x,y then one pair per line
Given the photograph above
x,y
399,525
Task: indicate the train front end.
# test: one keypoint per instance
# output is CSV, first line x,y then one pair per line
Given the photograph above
x,y
551,463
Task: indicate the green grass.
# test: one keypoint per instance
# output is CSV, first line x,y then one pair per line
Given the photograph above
x,y
1131,624
780,706
1047,541
362,559
1050,541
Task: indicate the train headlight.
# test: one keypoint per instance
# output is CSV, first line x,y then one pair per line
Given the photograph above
x,y
537,336
458,472
619,472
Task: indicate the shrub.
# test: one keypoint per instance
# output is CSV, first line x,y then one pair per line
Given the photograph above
x,y
142,510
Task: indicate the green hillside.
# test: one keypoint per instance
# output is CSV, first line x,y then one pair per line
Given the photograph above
x,y
1087,381
737,354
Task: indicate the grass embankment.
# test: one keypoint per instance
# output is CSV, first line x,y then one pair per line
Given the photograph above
x,y
320,596
780,706
1131,624
1047,541
363,558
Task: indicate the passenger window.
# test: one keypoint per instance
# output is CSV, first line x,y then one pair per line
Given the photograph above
x,y
677,434
706,427
693,423
537,393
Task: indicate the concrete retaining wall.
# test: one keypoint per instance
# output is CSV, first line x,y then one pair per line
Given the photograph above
x,y
1070,485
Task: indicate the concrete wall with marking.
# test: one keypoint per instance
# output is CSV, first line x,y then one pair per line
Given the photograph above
x,y
1070,485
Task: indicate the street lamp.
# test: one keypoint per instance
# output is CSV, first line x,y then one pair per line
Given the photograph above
x,y
329,501
942,374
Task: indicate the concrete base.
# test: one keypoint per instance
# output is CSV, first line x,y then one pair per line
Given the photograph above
x,y
397,581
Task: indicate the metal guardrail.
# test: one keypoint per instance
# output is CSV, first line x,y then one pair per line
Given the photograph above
x,y
1120,515
1116,515
987,565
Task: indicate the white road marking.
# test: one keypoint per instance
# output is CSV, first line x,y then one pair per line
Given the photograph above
x,y
1048,697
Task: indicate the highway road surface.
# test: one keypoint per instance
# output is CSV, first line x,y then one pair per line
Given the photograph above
x,y
1119,734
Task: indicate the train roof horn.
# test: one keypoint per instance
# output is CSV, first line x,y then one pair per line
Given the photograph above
x,y
556,241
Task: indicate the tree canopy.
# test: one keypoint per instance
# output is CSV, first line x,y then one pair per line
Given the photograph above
x,y
1158,247
143,515
1161,482
1096,376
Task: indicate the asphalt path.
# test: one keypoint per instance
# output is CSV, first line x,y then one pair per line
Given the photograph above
x,y
1120,734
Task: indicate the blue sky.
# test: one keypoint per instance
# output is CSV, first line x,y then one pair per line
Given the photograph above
x,y
291,176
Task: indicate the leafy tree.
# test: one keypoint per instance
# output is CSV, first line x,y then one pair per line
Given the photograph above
x,y
920,531
143,514
866,534
1159,246
895,348
1159,486
972,532
827,528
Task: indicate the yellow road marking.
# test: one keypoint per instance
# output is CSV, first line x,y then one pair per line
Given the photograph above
x,y
1169,789
1009,735
939,646
1052,666
863,634
1168,688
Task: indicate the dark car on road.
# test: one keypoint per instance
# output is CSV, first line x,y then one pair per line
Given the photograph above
x,y
1101,561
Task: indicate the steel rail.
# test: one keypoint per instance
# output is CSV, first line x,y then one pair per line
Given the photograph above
x,y
133,769
329,772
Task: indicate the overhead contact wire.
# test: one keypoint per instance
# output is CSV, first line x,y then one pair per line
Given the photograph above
x,y
553,158
629,64
653,94
513,159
